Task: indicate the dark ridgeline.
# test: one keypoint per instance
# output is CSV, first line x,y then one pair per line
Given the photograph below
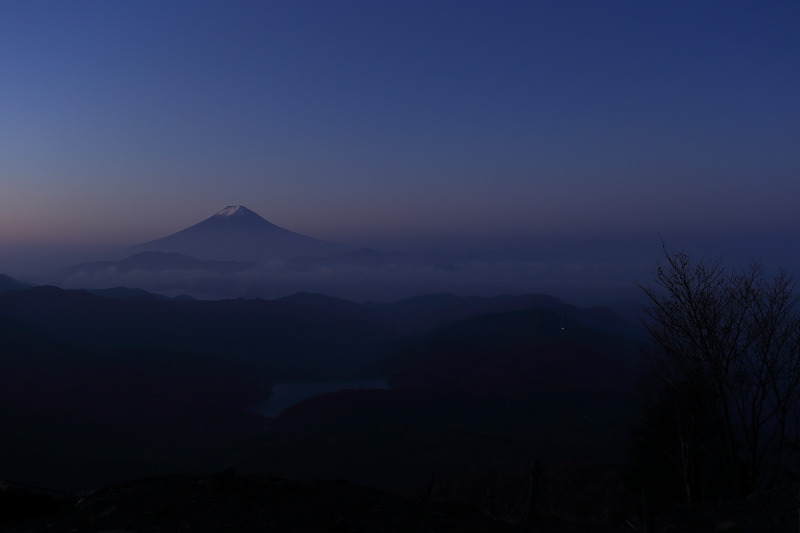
x,y
7,283
94,389
421,313
516,353
286,340
119,383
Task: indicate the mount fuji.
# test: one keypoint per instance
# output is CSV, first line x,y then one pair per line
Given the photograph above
x,y
239,234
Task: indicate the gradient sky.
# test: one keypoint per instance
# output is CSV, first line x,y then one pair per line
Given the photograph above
x,y
406,121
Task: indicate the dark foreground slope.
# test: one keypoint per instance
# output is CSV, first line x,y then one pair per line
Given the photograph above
x,y
100,389
225,502
74,416
474,403
8,283
516,353
95,389
284,340
470,448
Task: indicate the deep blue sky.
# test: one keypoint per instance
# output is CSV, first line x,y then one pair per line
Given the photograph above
x,y
404,122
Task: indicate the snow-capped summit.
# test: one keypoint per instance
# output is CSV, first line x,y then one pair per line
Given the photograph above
x,y
239,234
234,210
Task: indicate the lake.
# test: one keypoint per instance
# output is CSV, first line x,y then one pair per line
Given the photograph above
x,y
284,395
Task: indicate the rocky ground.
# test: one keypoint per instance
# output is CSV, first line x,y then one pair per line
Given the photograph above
x,y
226,502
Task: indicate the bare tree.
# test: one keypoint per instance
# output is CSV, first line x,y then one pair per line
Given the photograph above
x,y
726,358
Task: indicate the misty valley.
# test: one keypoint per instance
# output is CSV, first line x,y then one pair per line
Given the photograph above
x,y
436,411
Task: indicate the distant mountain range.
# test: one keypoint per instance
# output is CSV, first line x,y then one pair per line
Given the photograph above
x,y
168,382
7,283
286,340
238,254
514,353
319,337
238,234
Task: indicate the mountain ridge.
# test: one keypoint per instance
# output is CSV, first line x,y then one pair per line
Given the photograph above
x,y
236,233
7,283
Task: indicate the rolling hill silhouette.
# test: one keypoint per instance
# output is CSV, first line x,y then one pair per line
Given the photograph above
x,y
285,340
7,283
170,384
515,353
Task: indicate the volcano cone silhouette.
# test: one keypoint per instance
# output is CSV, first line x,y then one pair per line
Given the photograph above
x,y
237,233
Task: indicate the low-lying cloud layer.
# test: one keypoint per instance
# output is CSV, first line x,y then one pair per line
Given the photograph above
x,y
384,282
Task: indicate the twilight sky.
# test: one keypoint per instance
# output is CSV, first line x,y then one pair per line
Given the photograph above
x,y
409,123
